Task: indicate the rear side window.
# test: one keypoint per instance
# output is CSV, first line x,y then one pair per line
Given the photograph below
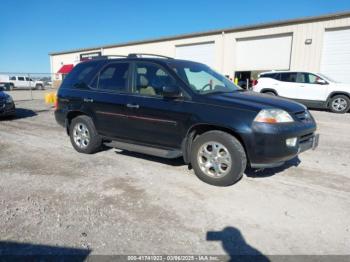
x,y
302,78
289,77
276,76
81,74
13,78
113,77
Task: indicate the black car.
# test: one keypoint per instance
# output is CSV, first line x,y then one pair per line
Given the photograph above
x,y
174,108
7,106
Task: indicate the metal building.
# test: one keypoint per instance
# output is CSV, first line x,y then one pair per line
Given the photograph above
x,y
318,44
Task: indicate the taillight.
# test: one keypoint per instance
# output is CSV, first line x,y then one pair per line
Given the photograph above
x,y
255,82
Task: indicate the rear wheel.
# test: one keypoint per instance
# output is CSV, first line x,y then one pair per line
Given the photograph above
x,y
83,135
218,158
339,104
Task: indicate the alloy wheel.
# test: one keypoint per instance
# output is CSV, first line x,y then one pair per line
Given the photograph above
x,y
339,104
81,135
214,159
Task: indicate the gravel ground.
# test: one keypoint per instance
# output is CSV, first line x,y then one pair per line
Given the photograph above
x,y
116,202
24,94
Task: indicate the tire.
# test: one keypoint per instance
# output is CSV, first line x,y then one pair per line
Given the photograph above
x,y
270,93
230,170
90,141
339,104
39,87
10,87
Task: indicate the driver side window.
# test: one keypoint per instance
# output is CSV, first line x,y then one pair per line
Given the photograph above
x,y
150,79
313,79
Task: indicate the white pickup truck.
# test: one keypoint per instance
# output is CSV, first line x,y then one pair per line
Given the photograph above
x,y
20,82
24,82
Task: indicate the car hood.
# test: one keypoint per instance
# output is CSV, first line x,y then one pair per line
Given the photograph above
x,y
255,101
340,87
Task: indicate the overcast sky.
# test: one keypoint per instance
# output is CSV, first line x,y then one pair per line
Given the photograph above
x,y
29,30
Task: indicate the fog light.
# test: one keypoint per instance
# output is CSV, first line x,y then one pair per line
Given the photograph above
x,y
291,142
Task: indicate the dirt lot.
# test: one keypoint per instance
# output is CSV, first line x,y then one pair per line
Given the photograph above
x,y
117,202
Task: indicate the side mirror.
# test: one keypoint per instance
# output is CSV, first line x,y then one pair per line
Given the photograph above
x,y
321,81
171,92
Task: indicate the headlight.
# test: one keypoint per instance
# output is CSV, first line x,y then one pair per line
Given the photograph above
x,y
273,116
9,100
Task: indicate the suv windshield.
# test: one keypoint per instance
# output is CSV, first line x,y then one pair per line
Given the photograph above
x,y
202,79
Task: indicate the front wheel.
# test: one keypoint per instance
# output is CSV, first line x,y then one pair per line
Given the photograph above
x,y
83,135
339,104
218,158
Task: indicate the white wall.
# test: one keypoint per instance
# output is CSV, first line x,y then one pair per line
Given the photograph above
x,y
303,57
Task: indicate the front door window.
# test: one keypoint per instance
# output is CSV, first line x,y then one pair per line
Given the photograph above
x,y
150,80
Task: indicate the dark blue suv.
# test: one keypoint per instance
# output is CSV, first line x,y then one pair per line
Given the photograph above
x,y
174,108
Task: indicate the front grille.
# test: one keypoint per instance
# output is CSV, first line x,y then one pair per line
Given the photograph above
x,y
303,116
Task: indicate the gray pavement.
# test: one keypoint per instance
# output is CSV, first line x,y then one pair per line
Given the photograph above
x,y
116,202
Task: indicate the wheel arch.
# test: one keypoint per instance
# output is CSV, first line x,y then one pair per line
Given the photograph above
x,y
264,90
70,116
335,93
199,129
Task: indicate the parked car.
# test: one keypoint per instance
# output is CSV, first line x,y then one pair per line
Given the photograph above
x,y
4,82
7,106
175,108
24,82
312,89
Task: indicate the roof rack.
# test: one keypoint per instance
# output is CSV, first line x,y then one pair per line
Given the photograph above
x,y
135,55
110,56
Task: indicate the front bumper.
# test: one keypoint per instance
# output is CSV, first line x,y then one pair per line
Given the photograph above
x,y
7,109
268,147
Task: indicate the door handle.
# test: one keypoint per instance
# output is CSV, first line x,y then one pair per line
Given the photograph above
x,y
88,100
133,106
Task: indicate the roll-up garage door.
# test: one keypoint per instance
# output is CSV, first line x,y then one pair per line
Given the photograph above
x,y
336,55
203,53
263,53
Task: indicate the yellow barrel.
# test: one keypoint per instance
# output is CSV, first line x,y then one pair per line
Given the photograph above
x,y
50,98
